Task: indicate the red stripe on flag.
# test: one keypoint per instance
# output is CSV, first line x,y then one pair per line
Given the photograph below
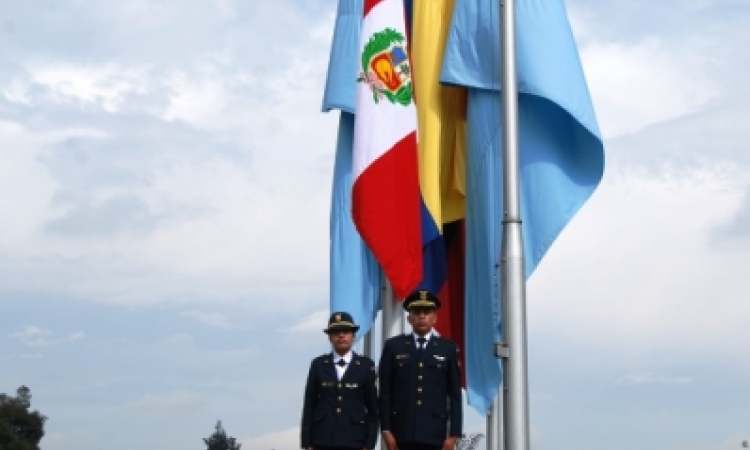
x,y
385,209
451,314
369,4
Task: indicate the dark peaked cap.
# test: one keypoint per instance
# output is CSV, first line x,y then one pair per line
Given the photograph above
x,y
421,299
341,321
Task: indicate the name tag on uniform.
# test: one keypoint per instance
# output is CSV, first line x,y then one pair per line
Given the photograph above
x,y
351,385
439,358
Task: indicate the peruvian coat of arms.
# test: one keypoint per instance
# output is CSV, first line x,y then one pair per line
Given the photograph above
x,y
386,69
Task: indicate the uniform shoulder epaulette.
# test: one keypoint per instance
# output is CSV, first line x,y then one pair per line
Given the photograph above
x,y
397,338
445,341
363,359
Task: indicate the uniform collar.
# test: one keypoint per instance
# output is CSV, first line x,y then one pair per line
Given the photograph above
x,y
427,336
348,357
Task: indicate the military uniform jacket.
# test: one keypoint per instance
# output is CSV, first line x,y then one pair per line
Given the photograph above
x,y
340,413
420,391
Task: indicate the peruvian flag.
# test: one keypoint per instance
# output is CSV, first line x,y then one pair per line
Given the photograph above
x,y
385,194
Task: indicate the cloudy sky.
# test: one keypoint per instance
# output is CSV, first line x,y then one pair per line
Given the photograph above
x,y
165,183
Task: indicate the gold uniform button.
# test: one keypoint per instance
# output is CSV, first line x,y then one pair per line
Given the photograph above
x,y
419,389
419,402
421,364
339,386
338,410
339,398
419,377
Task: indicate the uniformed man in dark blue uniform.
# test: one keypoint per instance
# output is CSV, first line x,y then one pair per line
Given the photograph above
x,y
340,409
420,383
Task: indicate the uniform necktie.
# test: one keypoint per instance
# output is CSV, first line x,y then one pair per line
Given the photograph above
x,y
341,362
422,341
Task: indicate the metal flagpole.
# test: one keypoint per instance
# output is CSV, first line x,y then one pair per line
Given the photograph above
x,y
495,424
393,315
392,318
367,344
513,348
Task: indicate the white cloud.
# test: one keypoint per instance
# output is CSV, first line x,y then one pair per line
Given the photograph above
x,y
104,86
653,378
315,322
39,337
28,185
636,84
219,220
213,319
202,99
732,442
185,351
636,267
738,226
287,439
69,439
173,403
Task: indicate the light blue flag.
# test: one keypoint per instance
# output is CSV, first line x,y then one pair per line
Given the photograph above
x,y
341,82
562,155
355,275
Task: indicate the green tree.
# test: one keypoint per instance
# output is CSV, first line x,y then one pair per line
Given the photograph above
x,y
220,441
20,428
